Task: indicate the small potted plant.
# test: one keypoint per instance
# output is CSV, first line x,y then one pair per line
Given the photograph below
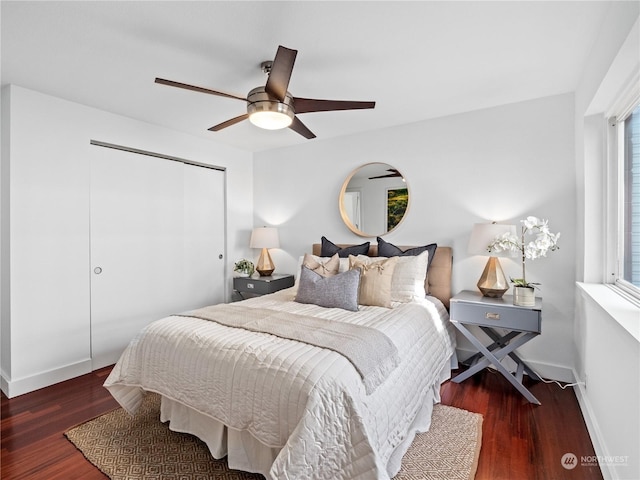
x,y
244,268
544,241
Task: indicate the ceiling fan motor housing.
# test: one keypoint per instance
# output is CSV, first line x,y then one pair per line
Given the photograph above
x,y
260,103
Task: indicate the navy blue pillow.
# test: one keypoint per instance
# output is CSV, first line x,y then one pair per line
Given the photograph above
x,y
386,249
329,249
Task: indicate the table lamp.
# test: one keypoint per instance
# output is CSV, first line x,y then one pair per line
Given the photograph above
x,y
493,282
265,238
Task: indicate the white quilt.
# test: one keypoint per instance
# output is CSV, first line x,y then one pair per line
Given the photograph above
x,y
306,402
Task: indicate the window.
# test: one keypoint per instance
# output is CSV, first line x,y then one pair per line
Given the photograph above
x,y
624,211
631,199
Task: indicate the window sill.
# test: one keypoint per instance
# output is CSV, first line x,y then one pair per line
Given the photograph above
x,y
619,308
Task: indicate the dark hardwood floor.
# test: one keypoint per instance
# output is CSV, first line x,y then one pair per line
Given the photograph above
x,y
519,441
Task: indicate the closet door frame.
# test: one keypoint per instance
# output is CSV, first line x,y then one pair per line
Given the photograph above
x,y
104,353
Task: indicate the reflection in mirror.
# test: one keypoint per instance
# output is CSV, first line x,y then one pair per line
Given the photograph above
x,y
374,199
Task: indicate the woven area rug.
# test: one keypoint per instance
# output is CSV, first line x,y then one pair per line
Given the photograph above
x,y
126,448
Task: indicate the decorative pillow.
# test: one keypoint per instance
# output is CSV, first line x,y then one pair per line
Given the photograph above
x,y
408,281
344,262
386,249
338,291
375,280
327,268
328,249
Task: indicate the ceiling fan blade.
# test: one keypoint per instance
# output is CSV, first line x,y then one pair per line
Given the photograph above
x,y
228,123
384,176
394,173
171,83
299,127
307,105
280,73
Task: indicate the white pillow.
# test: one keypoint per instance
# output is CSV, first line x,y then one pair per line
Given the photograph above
x,y
407,283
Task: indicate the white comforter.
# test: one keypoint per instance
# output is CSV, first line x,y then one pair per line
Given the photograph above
x,y
308,402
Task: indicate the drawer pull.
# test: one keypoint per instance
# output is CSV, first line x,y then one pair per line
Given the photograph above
x,y
492,316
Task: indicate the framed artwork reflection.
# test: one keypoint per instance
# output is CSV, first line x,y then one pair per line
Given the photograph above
x,y
397,201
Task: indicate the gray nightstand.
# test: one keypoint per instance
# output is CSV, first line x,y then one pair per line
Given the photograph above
x,y
262,285
522,323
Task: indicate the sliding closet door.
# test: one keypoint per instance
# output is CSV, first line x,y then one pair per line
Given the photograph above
x,y
204,221
153,231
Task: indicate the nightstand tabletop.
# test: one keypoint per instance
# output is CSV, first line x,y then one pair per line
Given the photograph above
x,y
505,301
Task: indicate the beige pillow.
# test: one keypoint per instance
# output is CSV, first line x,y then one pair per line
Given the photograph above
x,y
407,284
328,268
375,279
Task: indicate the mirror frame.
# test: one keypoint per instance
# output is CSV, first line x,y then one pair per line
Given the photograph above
x,y
343,213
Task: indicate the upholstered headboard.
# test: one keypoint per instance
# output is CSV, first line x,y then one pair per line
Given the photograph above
x,y
438,282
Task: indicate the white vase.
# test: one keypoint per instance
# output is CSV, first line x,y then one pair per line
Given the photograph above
x,y
524,296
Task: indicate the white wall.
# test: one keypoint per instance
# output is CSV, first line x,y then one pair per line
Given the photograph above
x,y
5,291
607,355
46,317
499,164
609,352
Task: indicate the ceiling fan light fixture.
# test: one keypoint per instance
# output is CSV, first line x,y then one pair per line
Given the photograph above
x,y
269,113
270,120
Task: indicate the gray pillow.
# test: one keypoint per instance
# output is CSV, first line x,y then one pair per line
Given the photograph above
x,y
338,291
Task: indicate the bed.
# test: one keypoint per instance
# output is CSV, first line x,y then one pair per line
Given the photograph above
x,y
288,409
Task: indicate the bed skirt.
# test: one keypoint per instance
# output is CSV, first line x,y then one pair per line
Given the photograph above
x,y
245,452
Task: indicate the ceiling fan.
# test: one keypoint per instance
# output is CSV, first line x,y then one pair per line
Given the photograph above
x,y
393,173
272,107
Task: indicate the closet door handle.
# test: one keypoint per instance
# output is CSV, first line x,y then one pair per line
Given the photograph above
x,y
97,270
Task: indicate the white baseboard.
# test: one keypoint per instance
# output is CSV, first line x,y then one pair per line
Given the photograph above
x,y
593,429
13,388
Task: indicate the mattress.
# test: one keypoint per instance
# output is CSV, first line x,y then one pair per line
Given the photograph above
x,y
288,409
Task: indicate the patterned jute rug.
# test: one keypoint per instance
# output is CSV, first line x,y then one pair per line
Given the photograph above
x,y
141,447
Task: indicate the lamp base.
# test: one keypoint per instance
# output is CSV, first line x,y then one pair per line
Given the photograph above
x,y
492,293
492,282
265,265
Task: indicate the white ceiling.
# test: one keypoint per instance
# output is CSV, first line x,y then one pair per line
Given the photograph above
x,y
417,60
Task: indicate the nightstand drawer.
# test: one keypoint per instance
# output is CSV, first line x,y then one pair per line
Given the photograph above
x,y
263,285
496,316
250,285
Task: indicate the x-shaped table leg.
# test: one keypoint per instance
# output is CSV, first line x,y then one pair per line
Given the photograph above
x,y
496,357
498,342
497,339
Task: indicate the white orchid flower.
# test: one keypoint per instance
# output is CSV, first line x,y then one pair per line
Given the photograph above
x,y
544,242
531,222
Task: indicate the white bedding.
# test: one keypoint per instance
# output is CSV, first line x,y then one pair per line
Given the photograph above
x,y
300,404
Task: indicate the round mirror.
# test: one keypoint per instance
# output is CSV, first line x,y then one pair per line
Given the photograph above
x,y
374,199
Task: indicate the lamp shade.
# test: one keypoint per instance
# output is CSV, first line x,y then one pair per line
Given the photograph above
x,y
264,237
483,234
